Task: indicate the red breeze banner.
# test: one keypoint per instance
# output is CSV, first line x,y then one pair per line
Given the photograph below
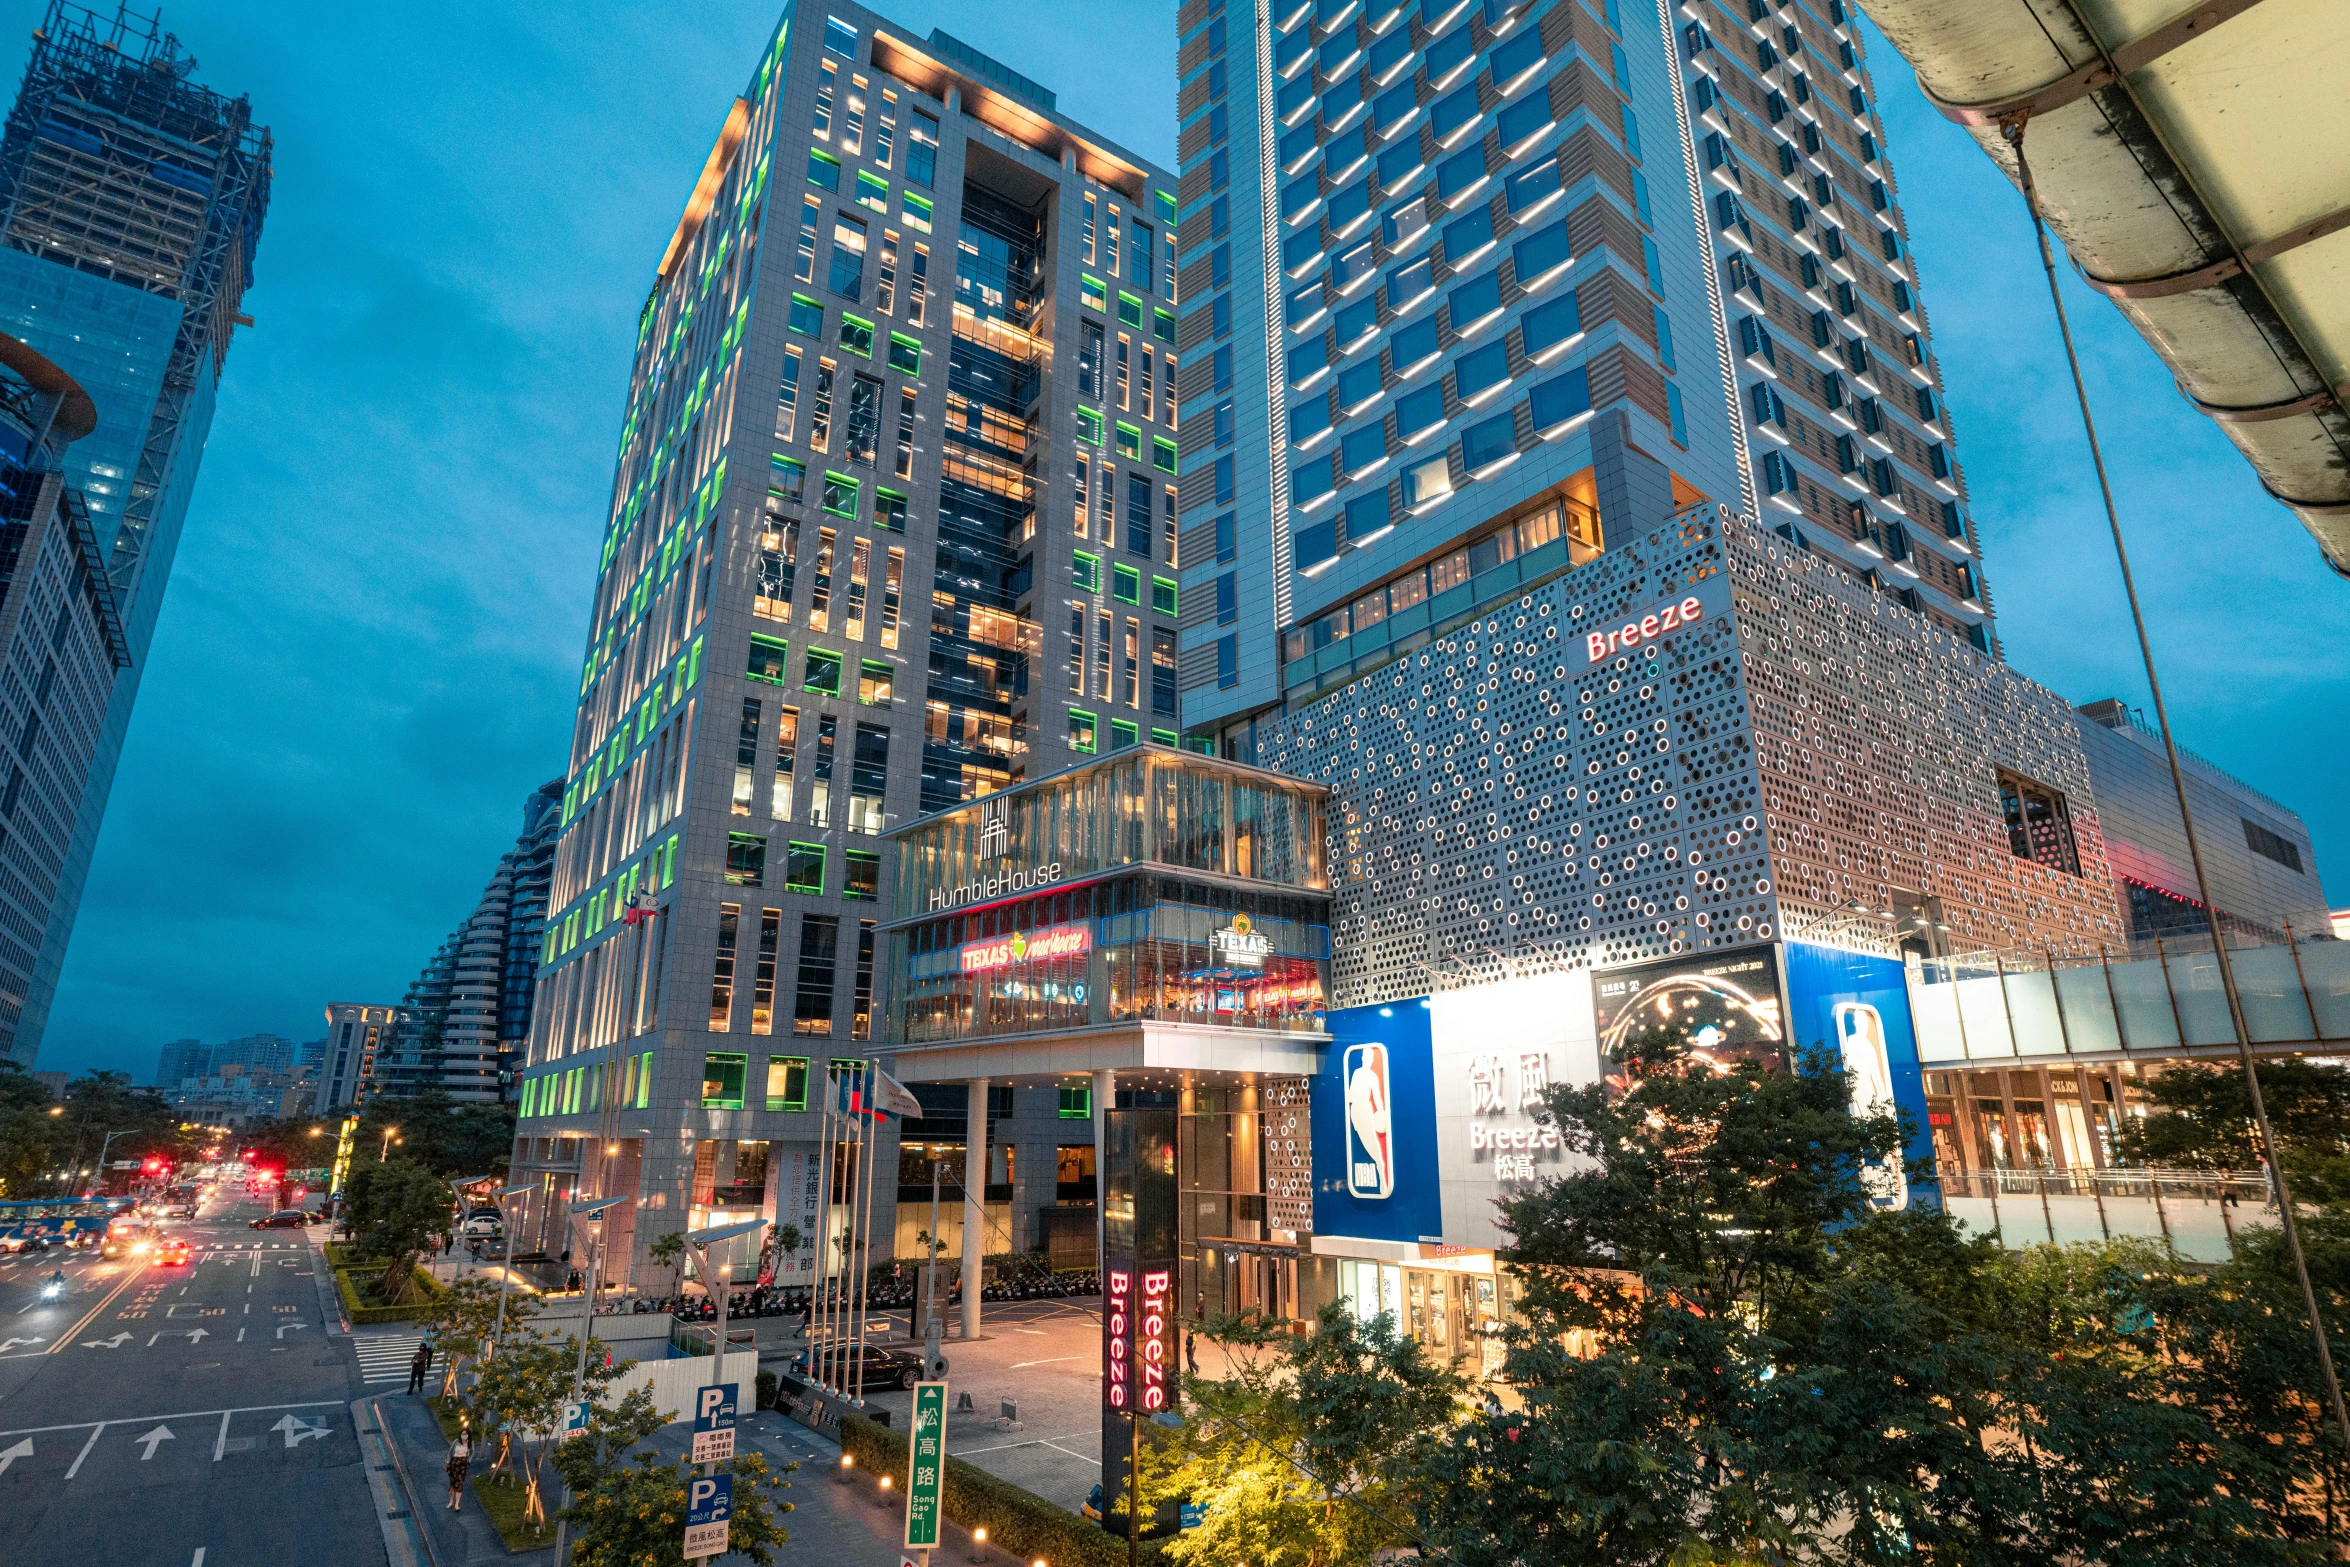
x,y
1117,1325
1154,1340
1054,941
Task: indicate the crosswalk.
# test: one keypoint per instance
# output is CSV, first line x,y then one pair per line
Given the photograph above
x,y
384,1357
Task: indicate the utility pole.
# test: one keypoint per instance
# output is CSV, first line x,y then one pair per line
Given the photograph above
x,y
933,1324
506,1275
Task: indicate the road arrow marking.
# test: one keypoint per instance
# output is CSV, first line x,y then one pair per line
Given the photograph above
x,y
23,1449
296,1428
152,1440
115,1342
8,1344
284,1328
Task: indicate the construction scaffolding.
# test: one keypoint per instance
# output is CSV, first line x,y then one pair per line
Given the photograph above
x,y
118,165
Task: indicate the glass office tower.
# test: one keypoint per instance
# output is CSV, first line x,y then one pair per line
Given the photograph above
x,y
892,528
131,203
1469,282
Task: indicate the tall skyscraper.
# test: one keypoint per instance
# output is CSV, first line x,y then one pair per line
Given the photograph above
x,y
1450,260
526,926
892,528
131,203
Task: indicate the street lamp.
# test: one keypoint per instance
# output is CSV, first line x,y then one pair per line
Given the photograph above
x,y
387,1148
701,1241
592,1212
506,1275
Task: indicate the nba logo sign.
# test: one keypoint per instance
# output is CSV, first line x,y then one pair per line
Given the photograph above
x,y
1370,1123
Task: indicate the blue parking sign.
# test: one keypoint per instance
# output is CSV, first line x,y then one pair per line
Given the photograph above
x,y
714,1407
709,1503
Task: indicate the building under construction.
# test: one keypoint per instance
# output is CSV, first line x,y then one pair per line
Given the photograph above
x,y
131,201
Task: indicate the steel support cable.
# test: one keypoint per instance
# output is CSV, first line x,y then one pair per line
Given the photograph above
x,y
2012,130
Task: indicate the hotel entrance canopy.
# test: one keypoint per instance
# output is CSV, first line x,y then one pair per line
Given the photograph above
x,y
1155,910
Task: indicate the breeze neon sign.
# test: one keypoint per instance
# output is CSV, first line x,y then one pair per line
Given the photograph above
x,y
1600,645
1151,1340
1117,1324
1054,941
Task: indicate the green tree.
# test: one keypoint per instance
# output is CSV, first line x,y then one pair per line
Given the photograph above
x,y
668,1251
29,1133
98,1103
464,1317
520,1392
2202,1120
629,1505
1309,1452
394,1209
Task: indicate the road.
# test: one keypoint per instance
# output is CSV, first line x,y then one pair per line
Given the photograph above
x,y
188,1416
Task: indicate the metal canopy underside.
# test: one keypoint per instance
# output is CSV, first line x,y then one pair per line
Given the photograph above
x,y
2196,162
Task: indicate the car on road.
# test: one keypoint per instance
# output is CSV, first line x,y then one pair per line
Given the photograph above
x,y
482,1223
882,1366
22,1245
172,1253
283,1219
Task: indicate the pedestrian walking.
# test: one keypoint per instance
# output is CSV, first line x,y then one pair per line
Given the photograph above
x,y
448,1243
1190,1354
460,1462
418,1365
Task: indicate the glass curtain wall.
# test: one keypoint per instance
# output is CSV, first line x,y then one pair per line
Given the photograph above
x,y
1148,946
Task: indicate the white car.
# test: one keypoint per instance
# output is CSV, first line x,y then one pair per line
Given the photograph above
x,y
481,1225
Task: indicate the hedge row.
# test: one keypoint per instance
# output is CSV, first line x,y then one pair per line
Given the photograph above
x,y
348,1280
1017,1521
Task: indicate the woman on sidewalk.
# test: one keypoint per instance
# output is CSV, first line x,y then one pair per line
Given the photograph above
x,y
460,1462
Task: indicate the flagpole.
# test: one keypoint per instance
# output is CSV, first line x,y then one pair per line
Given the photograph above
x,y
867,1129
818,1287
850,1162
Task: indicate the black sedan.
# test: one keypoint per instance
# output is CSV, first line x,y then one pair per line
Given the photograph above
x,y
882,1367
283,1219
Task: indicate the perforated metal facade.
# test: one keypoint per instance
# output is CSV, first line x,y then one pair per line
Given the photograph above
x,y
1502,803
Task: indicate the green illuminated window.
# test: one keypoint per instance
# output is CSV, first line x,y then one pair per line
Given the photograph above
x,y
840,494
1129,440
1085,569
1129,309
807,316
746,860
1164,737
1093,291
905,354
1081,728
722,1079
1077,1103
1163,325
804,869
769,659
1089,425
822,673
1122,734
873,192
856,334
1163,592
644,1081
1166,206
1162,454
1126,584
876,682
787,477
787,1082
889,509
917,209
823,169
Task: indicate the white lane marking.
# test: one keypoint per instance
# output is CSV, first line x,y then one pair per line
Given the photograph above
x,y
199,1561
183,1414
219,1447
86,1446
1025,1364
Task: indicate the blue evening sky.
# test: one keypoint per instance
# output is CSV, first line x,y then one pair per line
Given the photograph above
x,y
369,651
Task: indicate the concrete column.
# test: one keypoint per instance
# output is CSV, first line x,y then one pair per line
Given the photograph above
x,y
1105,1089
1634,490
974,1201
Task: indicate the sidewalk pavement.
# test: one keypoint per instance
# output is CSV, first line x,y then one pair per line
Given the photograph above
x,y
464,1538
